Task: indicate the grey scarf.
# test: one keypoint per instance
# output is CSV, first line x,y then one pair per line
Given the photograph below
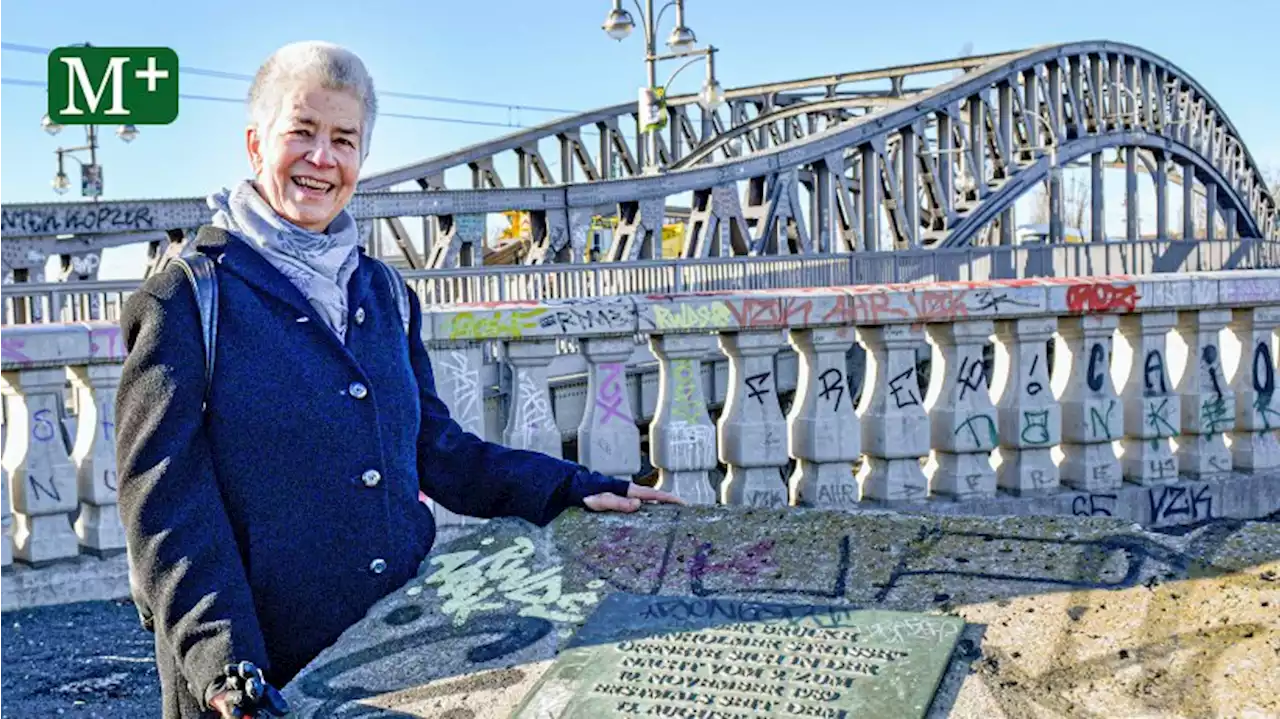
x,y
319,264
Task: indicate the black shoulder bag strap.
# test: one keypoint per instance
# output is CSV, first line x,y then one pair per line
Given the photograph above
x,y
202,275
398,290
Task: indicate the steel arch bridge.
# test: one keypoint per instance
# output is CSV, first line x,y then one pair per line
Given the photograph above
x,y
931,155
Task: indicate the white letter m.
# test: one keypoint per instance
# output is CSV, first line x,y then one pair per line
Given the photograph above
x,y
112,76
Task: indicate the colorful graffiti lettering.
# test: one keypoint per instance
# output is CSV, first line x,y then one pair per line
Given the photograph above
x,y
470,587
693,317
470,326
1102,298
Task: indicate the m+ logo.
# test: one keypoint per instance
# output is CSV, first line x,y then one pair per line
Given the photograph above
x,y
113,85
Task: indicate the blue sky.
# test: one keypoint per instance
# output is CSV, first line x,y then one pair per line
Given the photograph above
x,y
553,54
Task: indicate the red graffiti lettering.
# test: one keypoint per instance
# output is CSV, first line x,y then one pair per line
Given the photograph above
x,y
1102,298
934,305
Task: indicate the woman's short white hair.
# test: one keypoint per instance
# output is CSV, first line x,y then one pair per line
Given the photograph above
x,y
330,66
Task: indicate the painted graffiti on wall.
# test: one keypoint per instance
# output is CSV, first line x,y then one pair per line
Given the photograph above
x,y
1102,297
611,397
56,221
488,325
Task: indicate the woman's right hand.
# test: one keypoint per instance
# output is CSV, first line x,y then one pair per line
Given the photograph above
x,y
219,704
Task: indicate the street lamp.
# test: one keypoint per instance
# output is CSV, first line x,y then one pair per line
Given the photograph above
x,y
91,172
682,41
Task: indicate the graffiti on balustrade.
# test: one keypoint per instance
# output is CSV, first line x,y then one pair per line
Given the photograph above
x,y
472,582
11,349
611,398
1035,427
1177,503
832,387
1093,504
972,376
1100,422
105,342
981,429
1095,375
776,312
691,446
902,387
1244,291
465,380
567,320
57,221
1263,377
691,317
490,325
1160,416
1216,412
1034,385
758,386
1161,468
535,411
42,427
39,490
1154,382
686,401
1100,297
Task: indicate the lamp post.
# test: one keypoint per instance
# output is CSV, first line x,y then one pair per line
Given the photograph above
x,y
618,25
90,174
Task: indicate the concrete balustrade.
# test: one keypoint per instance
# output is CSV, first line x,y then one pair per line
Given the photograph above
x,y
1107,410
1114,414
47,478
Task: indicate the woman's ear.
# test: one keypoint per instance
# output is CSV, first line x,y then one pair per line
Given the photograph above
x,y
253,144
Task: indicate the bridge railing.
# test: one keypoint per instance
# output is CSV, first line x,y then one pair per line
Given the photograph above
x,y
102,300
1094,383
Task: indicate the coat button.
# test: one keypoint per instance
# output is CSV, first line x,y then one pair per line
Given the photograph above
x,y
378,566
371,477
358,390
359,315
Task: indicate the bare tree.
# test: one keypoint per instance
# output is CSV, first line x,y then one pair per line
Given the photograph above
x,y
1075,203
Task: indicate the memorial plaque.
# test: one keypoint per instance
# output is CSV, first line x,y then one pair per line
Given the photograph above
x,y
730,659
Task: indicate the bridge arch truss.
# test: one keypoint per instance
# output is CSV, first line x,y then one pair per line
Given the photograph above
x,y
821,165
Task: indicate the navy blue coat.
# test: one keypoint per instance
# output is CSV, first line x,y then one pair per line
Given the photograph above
x,y
264,527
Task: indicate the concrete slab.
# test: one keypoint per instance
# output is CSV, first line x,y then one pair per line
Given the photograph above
x,y
1067,616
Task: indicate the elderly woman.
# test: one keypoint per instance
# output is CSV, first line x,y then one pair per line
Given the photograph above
x,y
268,509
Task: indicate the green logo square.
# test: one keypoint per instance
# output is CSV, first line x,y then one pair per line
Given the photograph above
x,y
113,85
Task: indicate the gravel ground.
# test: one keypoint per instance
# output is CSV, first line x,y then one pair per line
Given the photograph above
x,y
91,659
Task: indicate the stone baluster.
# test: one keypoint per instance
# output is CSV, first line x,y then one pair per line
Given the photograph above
x,y
1151,408
1030,416
42,476
6,521
1254,444
753,432
961,413
895,428
1092,415
456,367
608,438
94,457
1208,404
682,439
825,434
531,423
